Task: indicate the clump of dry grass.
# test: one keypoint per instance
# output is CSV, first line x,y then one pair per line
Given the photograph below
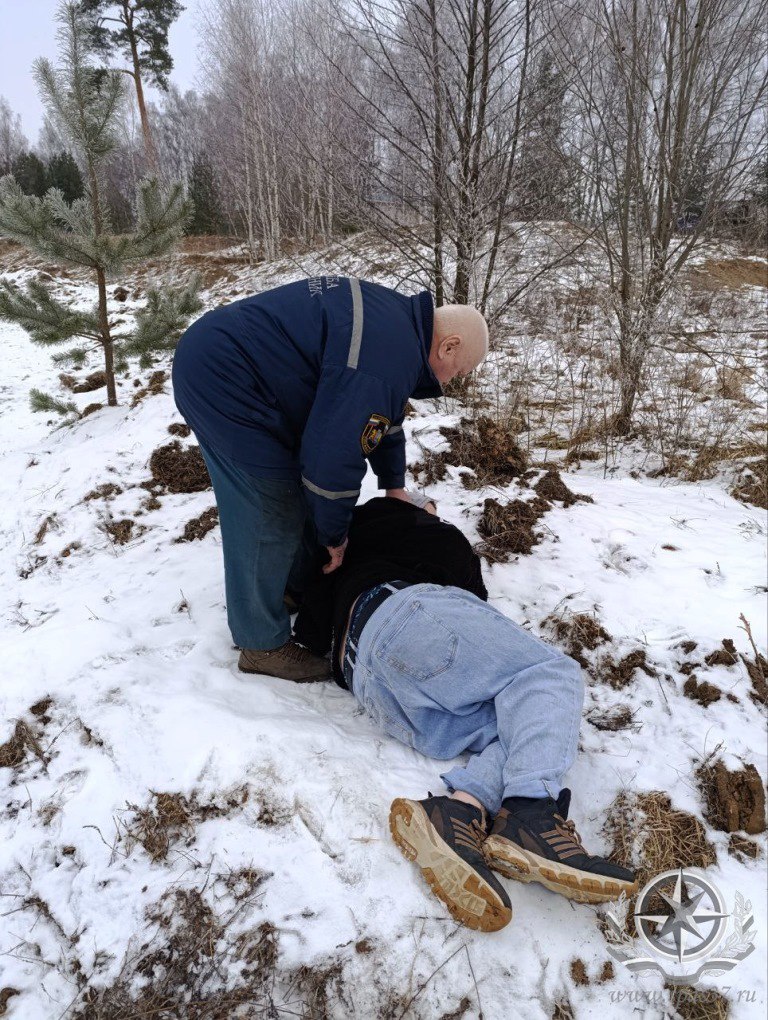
x,y
651,836
105,491
178,469
485,445
170,819
699,1003
577,632
508,528
154,386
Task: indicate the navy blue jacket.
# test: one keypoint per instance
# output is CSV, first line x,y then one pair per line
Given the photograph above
x,y
310,379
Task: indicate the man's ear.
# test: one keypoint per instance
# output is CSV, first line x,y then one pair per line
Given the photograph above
x,y
449,344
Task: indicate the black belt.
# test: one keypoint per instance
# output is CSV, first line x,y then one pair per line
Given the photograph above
x,y
365,607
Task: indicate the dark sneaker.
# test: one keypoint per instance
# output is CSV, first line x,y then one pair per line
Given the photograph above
x,y
445,838
290,662
532,842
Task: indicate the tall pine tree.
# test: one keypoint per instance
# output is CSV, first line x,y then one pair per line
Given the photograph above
x,y
138,31
85,100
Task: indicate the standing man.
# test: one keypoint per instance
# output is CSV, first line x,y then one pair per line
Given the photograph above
x,y
289,393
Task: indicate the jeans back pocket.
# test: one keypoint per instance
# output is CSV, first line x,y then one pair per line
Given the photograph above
x,y
421,647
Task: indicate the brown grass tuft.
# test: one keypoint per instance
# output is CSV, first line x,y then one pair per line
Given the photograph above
x,y
178,428
178,469
485,445
94,381
699,1003
647,833
105,491
508,529
552,487
617,717
154,386
577,632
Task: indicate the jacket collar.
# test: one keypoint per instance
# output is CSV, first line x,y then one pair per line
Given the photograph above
x,y
424,313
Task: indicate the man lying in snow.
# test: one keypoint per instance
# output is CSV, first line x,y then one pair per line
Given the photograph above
x,y
440,670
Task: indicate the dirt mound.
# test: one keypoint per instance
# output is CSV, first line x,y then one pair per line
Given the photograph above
x,y
199,527
705,693
648,833
508,529
105,491
617,717
176,468
94,381
552,487
735,800
619,674
154,386
725,656
576,632
485,445
178,428
121,532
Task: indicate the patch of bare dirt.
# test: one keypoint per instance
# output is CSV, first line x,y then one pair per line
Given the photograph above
x,y
121,532
176,468
620,674
552,487
647,833
725,656
105,491
485,445
199,527
179,428
704,692
509,529
617,717
735,800
154,386
94,381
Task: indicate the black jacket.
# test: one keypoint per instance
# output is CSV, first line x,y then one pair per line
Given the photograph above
x,y
389,540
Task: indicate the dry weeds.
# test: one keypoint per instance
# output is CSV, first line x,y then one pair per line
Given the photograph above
x,y
648,834
484,445
154,386
178,469
508,529
105,491
576,632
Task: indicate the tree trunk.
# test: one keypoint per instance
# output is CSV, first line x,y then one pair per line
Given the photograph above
x,y
149,143
109,349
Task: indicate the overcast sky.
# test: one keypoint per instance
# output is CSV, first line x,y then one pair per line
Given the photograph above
x,y
28,30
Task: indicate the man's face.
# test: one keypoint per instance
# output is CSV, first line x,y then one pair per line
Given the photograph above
x,y
448,358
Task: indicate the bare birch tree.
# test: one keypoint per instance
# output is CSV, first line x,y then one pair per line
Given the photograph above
x,y
669,94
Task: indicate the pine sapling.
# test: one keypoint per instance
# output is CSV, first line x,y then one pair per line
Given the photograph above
x,y
85,101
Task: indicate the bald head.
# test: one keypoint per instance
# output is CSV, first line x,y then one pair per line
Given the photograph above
x,y
459,341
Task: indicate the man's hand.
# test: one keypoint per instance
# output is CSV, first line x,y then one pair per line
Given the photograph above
x,y
399,494
336,552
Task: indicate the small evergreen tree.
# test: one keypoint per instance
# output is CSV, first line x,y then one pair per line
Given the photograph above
x,y
202,193
78,233
29,171
141,35
62,172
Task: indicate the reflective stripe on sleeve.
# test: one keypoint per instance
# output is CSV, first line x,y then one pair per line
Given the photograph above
x,y
394,429
326,493
357,323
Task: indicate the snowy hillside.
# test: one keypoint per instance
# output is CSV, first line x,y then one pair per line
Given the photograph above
x,y
172,831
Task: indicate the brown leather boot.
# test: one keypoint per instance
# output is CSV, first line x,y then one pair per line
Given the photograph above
x,y
290,662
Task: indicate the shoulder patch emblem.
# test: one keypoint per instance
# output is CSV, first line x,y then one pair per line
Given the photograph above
x,y
375,429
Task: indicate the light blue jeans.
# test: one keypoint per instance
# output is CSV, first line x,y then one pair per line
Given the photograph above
x,y
444,672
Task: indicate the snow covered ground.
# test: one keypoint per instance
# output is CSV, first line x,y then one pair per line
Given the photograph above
x,y
129,641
